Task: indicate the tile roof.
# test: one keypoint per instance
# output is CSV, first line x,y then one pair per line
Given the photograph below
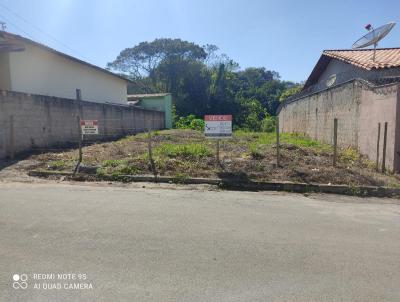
x,y
384,57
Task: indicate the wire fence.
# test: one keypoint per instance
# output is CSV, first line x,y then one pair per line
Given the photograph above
x,y
14,136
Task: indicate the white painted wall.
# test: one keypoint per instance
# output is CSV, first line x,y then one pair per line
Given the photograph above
x,y
38,71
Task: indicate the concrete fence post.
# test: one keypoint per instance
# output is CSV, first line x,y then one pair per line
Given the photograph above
x,y
11,143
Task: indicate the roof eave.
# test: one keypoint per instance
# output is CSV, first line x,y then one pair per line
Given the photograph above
x,y
47,48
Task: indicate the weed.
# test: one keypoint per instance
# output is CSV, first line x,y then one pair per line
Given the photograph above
x,y
180,178
254,152
57,165
349,155
101,172
112,163
126,170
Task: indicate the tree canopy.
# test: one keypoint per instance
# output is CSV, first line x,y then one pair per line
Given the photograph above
x,y
203,81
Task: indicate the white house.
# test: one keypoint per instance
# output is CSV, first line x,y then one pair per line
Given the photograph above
x,y
31,67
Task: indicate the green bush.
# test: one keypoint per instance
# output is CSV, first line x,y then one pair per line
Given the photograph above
x,y
268,124
190,122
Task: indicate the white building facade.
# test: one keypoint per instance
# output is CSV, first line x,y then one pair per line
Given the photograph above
x,y
41,70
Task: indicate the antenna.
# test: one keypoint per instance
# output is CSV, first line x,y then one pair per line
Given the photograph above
x,y
373,37
3,25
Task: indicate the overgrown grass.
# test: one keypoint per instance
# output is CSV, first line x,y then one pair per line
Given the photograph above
x,y
117,167
187,153
263,138
113,163
190,150
57,165
349,155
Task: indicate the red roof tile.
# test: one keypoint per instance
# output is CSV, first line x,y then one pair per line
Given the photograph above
x,y
384,57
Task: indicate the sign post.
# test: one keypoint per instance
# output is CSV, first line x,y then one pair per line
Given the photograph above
x,y
86,127
217,127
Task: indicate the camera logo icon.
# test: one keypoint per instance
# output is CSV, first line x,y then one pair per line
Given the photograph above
x,y
20,281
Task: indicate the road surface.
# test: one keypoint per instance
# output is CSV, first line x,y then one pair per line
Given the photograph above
x,y
104,243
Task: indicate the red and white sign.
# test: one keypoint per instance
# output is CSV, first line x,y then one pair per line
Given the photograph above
x,y
218,126
89,127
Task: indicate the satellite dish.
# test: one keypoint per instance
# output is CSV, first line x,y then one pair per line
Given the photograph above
x,y
8,44
374,36
331,80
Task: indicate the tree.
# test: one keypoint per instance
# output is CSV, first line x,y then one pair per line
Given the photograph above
x,y
144,58
203,81
290,91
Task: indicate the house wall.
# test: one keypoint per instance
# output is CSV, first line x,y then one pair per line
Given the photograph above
x,y
163,103
358,108
345,72
39,71
380,105
43,121
5,81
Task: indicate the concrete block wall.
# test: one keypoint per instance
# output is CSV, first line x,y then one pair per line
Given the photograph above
x,y
380,105
313,115
359,108
42,121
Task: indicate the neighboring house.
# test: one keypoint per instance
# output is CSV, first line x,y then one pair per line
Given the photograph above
x,y
155,101
38,69
338,66
361,93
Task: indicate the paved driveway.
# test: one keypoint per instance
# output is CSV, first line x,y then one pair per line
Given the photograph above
x,y
100,243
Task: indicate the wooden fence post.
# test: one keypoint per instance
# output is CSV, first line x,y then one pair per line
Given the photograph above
x,y
335,127
80,138
217,155
377,146
12,150
277,143
384,148
151,160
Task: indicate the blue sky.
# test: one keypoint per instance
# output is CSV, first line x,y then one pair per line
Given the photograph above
x,y
282,35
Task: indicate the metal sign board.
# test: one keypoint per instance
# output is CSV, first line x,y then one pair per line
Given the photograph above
x,y
218,126
89,127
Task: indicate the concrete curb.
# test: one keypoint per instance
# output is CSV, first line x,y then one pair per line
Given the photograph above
x,y
234,184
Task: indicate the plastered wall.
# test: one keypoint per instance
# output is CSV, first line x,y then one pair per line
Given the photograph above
x,y
42,121
359,108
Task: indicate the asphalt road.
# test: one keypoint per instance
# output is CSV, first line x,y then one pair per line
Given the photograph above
x,y
157,244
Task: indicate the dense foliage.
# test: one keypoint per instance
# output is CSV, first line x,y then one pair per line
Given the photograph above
x,y
203,81
189,122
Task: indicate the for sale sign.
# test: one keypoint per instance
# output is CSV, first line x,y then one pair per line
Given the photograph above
x,y
218,126
89,127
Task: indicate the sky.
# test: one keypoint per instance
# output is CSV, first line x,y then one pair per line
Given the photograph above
x,y
282,35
